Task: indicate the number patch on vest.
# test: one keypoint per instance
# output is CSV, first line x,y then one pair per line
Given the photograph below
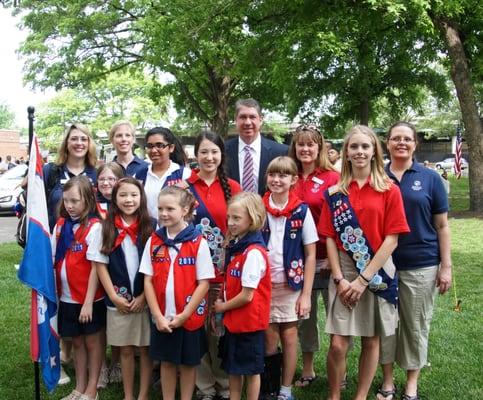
x,y
76,247
186,261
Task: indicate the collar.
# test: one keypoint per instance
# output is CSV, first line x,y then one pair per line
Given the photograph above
x,y
194,177
255,145
415,167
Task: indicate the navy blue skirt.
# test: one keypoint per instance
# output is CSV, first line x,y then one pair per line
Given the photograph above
x,y
68,319
242,353
180,347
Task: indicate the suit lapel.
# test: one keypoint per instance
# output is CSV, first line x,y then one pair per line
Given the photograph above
x,y
233,164
264,161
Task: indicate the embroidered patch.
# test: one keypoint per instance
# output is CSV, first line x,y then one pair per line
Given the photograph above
x,y
186,261
214,237
416,186
76,247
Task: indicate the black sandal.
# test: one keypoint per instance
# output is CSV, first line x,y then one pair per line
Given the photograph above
x,y
387,393
407,397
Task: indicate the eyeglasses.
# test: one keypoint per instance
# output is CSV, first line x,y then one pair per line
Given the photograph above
x,y
158,146
107,180
399,139
307,127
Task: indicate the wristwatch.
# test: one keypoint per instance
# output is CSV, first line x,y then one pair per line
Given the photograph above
x,y
336,281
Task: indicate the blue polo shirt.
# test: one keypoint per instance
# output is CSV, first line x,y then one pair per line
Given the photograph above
x,y
423,195
134,166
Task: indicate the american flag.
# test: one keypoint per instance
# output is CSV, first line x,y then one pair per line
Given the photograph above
x,y
457,159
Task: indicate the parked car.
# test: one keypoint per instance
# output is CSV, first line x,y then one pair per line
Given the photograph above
x,y
10,187
448,163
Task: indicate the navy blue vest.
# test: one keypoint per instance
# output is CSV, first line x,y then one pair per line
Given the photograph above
x,y
293,247
120,277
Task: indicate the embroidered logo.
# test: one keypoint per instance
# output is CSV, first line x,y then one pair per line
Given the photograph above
x,y
416,186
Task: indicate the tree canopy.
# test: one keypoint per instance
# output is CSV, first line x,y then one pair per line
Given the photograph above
x,y
336,62
7,116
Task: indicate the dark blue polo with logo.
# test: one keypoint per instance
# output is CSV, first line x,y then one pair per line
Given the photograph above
x,y
423,195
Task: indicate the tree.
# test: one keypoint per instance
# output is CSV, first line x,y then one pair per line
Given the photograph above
x,y
7,116
201,45
336,61
99,105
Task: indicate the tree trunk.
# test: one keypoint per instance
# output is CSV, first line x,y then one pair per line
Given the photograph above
x,y
460,75
364,111
220,120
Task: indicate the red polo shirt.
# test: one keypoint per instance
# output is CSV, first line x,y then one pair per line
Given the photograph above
x,y
311,191
213,197
379,214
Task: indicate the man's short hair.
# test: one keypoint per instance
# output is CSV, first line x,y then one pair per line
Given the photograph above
x,y
251,103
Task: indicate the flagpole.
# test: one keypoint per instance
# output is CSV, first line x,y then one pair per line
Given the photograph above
x,y
31,111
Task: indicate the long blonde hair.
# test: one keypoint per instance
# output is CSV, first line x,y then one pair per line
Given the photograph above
x,y
311,132
379,179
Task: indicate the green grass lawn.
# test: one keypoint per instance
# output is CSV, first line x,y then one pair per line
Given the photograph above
x,y
455,355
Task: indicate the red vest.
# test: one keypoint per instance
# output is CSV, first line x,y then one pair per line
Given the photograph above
x,y
253,316
185,283
77,266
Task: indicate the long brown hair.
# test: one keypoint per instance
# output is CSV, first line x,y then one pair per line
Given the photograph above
x,y
108,226
86,192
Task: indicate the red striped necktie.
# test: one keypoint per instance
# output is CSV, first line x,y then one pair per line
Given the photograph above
x,y
248,179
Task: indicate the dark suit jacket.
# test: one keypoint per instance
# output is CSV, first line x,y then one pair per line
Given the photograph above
x,y
269,150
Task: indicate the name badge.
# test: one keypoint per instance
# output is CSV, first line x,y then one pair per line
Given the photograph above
x,y
317,180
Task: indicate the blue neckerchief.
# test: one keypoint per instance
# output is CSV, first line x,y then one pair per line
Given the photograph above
x,y
356,245
187,234
65,239
102,199
238,246
210,231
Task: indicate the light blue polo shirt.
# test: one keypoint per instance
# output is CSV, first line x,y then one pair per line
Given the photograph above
x,y
423,195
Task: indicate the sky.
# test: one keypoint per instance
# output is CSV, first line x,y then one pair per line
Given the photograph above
x,y
12,90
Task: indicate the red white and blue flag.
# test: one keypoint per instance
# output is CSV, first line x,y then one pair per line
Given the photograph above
x,y
37,272
458,149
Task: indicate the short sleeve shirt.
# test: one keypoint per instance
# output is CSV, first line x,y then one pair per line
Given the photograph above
x,y
379,214
424,196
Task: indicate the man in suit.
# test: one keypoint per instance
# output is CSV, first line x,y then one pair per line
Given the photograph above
x,y
248,155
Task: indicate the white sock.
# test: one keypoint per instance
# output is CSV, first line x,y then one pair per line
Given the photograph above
x,y
286,390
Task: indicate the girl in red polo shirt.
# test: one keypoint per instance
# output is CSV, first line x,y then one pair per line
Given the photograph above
x,y
212,190
177,266
316,174
247,295
82,313
362,218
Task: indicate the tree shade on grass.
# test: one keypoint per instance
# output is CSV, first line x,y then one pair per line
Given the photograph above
x,y
455,350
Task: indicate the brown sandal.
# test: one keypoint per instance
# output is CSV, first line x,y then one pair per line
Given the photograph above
x,y
387,393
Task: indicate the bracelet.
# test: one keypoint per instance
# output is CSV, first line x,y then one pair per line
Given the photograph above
x,y
365,279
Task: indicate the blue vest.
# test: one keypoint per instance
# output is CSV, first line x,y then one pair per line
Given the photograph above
x,y
293,247
120,277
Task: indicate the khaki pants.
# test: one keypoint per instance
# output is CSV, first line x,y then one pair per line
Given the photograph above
x,y
210,378
409,346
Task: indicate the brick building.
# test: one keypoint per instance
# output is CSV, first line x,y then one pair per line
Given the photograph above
x,y
11,144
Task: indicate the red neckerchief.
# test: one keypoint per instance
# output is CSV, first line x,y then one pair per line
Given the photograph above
x,y
292,204
131,230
